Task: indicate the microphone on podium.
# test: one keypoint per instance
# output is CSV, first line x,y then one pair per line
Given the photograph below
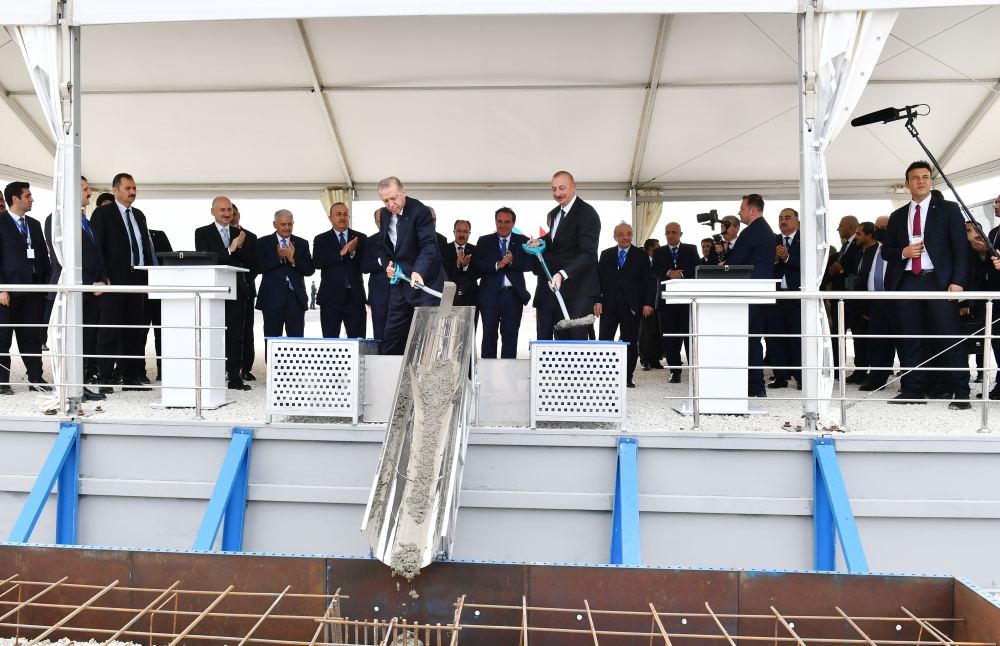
x,y
884,115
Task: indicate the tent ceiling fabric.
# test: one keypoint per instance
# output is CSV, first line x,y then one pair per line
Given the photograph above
x,y
497,102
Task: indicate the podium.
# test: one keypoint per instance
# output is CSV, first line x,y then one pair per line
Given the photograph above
x,y
722,389
177,318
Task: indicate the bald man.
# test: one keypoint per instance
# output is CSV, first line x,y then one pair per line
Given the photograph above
x,y
229,244
841,270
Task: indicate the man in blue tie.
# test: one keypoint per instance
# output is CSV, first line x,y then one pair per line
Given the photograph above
x,y
501,261
283,260
670,262
338,254
785,316
626,294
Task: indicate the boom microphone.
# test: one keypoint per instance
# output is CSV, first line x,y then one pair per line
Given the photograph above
x,y
885,116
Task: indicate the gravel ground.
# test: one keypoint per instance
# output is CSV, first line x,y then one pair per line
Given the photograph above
x,y
648,406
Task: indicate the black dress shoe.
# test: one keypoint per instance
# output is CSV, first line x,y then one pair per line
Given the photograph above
x,y
143,379
105,390
898,399
778,383
39,387
132,385
656,366
869,386
939,395
675,378
856,378
959,405
248,376
90,396
237,385
630,384
646,368
6,390
758,393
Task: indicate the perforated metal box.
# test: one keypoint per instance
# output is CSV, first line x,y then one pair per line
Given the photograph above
x,y
320,377
578,381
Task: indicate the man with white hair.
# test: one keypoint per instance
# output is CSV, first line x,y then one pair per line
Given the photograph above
x,y
283,261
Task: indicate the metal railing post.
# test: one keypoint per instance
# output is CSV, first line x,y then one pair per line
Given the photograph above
x,y
842,354
695,361
197,356
987,366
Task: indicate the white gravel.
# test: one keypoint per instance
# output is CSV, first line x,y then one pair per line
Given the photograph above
x,y
648,408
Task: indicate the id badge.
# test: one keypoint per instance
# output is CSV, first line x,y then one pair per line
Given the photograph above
x,y
31,253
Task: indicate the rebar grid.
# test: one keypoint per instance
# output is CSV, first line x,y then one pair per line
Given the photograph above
x,y
22,602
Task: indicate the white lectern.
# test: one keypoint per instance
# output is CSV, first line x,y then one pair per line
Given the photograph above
x,y
177,318
722,389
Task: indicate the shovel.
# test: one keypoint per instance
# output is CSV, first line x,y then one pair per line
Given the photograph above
x,y
566,321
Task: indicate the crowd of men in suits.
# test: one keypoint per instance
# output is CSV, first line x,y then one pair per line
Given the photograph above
x,y
921,247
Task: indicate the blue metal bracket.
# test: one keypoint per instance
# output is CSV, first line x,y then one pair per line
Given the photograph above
x,y
625,517
832,513
229,498
63,464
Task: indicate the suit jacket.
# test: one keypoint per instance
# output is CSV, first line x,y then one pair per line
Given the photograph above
x,y
849,258
633,283
663,261
991,277
791,268
113,241
485,261
467,279
944,240
274,292
92,264
755,246
574,250
208,238
417,248
338,271
373,263
15,266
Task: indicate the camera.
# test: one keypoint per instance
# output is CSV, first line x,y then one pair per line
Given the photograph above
x,y
709,219
718,239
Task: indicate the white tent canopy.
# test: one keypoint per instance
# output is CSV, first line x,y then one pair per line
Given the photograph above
x,y
700,105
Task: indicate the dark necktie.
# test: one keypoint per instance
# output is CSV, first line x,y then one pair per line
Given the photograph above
x,y
343,239
917,231
621,257
23,227
87,229
788,242
673,252
503,248
879,271
288,281
133,241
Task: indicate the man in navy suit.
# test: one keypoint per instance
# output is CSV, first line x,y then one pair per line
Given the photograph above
x,y
283,261
457,257
409,241
626,294
123,238
92,273
785,316
501,261
755,246
879,316
230,247
24,260
373,263
246,362
571,253
927,242
674,260
338,253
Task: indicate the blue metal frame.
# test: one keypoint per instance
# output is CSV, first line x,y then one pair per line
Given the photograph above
x,y
62,464
229,498
625,548
832,513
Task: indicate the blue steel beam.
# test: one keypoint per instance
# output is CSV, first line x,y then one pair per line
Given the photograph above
x,y
625,548
229,497
62,464
832,512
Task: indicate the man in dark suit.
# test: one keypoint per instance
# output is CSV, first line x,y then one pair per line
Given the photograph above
x,y
151,308
856,311
650,336
991,282
24,260
230,247
123,238
841,273
409,241
671,261
250,243
373,263
880,316
337,253
571,254
92,273
457,257
283,261
755,246
785,316
927,237
626,294
501,261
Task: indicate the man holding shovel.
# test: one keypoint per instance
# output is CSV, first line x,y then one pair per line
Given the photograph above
x,y
571,257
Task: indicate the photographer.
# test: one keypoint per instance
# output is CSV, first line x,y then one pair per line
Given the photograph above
x,y
730,228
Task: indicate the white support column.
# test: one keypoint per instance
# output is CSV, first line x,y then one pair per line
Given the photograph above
x,y
808,202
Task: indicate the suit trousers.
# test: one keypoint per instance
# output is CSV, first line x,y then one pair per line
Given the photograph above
x,y
785,317
246,364
380,312
860,329
755,351
650,340
504,318
289,320
235,311
675,319
579,306
628,321
917,318
399,317
121,309
90,319
353,318
24,308
882,319
545,320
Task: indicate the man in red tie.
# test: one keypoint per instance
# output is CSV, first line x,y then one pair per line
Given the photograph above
x,y
926,241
